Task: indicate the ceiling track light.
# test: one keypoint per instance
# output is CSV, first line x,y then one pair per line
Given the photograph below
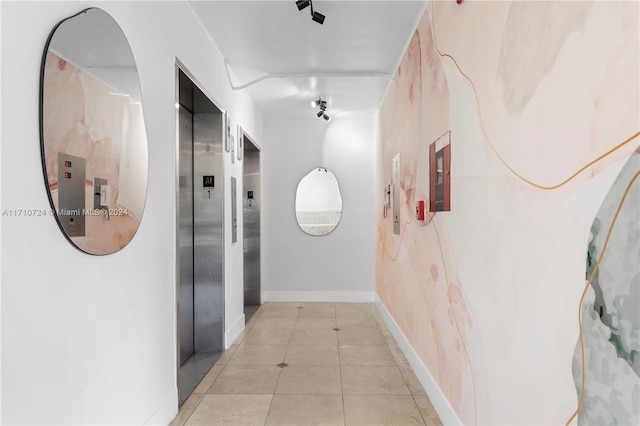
x,y
318,17
302,4
322,105
315,16
322,113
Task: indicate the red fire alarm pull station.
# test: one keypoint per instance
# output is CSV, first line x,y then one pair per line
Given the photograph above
x,y
420,210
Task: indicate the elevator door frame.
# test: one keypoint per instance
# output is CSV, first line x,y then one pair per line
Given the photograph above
x,y
179,67
250,140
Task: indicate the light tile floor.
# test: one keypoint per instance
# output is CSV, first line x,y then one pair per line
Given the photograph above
x,y
311,364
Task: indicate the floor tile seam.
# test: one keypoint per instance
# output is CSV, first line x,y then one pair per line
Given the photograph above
x,y
312,344
344,409
381,394
254,365
356,327
307,394
215,379
335,364
406,380
413,397
386,343
395,364
265,344
239,394
276,328
424,422
348,394
278,315
366,365
242,335
273,394
192,411
254,319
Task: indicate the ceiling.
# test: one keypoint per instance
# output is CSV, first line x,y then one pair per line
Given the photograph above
x,y
348,61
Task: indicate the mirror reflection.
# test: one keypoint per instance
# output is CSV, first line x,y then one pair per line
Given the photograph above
x,y
318,202
93,138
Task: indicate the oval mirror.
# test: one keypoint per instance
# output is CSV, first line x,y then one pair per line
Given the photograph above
x,y
92,134
318,202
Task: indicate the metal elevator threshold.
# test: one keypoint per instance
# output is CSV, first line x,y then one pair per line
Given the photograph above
x,y
249,310
193,371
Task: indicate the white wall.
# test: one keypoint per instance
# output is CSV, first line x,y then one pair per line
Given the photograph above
x,y
89,339
338,266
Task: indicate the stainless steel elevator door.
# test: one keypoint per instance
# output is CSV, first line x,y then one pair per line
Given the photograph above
x,y
251,228
207,236
200,234
185,232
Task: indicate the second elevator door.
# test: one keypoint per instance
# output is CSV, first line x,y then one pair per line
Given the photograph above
x,y
251,230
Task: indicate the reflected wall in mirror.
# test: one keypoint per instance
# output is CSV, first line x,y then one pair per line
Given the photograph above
x,y
318,202
92,133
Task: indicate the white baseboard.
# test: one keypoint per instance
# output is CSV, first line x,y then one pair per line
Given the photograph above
x,y
166,411
438,399
319,296
234,331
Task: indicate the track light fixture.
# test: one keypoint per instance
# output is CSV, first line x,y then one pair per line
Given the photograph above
x,y
318,17
315,16
302,4
323,108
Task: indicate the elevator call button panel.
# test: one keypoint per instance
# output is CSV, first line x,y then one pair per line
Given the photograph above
x,y
71,194
234,210
395,195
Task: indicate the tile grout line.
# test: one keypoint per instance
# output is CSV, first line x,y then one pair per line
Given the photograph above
x,y
192,411
386,341
344,410
273,395
218,375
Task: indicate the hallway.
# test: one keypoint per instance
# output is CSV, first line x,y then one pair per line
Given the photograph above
x,y
311,363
